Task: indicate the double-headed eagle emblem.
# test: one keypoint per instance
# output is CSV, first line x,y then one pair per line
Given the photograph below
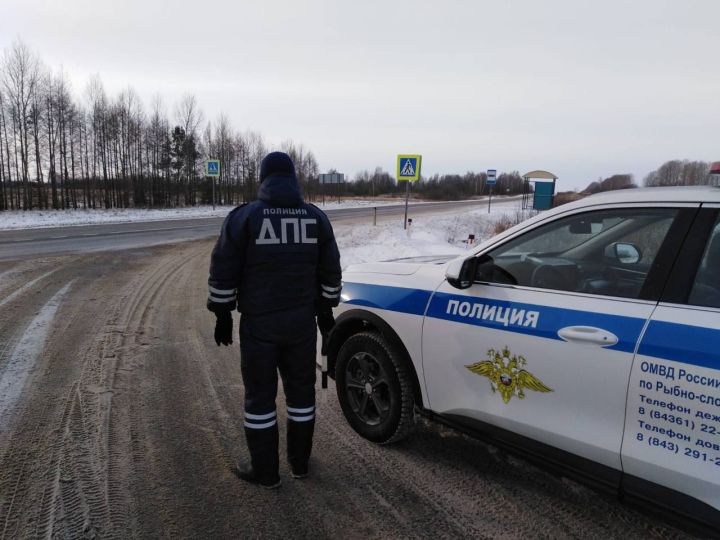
x,y
506,375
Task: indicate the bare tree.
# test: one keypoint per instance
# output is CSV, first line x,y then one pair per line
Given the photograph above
x,y
189,116
20,79
99,131
5,179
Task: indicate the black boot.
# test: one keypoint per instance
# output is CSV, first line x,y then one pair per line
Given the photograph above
x,y
247,473
299,446
263,446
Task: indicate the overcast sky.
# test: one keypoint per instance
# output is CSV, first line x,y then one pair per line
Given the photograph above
x,y
583,89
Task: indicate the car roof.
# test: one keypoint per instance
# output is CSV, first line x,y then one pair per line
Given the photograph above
x,y
708,194
675,194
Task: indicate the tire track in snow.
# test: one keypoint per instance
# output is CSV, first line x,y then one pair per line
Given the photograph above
x,y
24,288
22,359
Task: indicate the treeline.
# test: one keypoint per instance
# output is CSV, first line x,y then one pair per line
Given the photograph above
x,y
454,187
671,173
679,173
437,187
102,152
58,151
616,181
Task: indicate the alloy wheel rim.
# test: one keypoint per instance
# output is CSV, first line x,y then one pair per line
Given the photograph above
x,y
367,387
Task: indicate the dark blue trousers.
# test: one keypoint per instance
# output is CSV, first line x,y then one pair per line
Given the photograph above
x,y
286,343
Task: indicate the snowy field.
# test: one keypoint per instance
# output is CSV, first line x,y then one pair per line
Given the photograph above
x,y
34,219
428,235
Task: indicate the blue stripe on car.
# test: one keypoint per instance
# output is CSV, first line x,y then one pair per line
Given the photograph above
x,y
552,319
671,341
411,301
684,343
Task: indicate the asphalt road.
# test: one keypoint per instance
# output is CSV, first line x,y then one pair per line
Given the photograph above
x,y
25,243
121,418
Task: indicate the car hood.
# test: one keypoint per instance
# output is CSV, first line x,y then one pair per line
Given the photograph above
x,y
399,267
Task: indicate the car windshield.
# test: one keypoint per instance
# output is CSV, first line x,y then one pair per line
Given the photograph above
x,y
578,234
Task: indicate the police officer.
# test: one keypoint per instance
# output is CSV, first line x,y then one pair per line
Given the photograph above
x,y
277,261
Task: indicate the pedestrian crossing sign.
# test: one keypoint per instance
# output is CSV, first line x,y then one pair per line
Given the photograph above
x,y
212,167
408,167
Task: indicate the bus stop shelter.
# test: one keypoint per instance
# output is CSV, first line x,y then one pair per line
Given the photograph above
x,y
543,192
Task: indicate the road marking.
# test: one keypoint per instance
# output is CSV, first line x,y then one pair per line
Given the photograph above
x,y
24,356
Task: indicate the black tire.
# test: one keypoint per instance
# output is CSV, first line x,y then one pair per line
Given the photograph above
x,y
374,388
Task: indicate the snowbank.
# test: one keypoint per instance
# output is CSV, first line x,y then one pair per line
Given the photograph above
x,y
34,219
428,235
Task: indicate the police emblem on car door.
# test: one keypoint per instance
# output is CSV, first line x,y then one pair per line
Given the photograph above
x,y
507,376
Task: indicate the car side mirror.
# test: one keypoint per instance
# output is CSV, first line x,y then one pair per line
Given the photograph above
x,y
625,252
461,273
485,269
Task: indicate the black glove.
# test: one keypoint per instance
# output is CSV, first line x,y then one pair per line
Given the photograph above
x,y
223,328
325,322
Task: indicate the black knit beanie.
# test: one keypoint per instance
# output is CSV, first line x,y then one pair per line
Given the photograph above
x,y
276,163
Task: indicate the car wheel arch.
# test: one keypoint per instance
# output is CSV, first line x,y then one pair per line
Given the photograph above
x,y
356,321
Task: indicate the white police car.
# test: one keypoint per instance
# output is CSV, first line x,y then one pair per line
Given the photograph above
x,y
588,335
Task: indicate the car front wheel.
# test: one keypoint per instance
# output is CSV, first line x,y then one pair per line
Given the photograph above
x,y
374,388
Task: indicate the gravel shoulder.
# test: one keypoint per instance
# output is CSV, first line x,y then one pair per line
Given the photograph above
x,y
128,423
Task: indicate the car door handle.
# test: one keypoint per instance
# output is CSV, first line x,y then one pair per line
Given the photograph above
x,y
589,335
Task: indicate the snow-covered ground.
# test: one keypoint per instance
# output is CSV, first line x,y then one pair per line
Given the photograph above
x,y
429,234
33,219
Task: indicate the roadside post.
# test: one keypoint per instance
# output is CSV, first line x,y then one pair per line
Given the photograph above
x,y
212,170
374,215
491,181
408,169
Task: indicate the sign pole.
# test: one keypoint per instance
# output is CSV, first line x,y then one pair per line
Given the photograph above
x,y
490,180
407,198
408,170
212,169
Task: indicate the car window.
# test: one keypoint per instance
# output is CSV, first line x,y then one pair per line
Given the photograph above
x,y
706,287
603,252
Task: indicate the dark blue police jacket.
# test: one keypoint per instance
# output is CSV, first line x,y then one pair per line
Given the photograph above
x,y
274,254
